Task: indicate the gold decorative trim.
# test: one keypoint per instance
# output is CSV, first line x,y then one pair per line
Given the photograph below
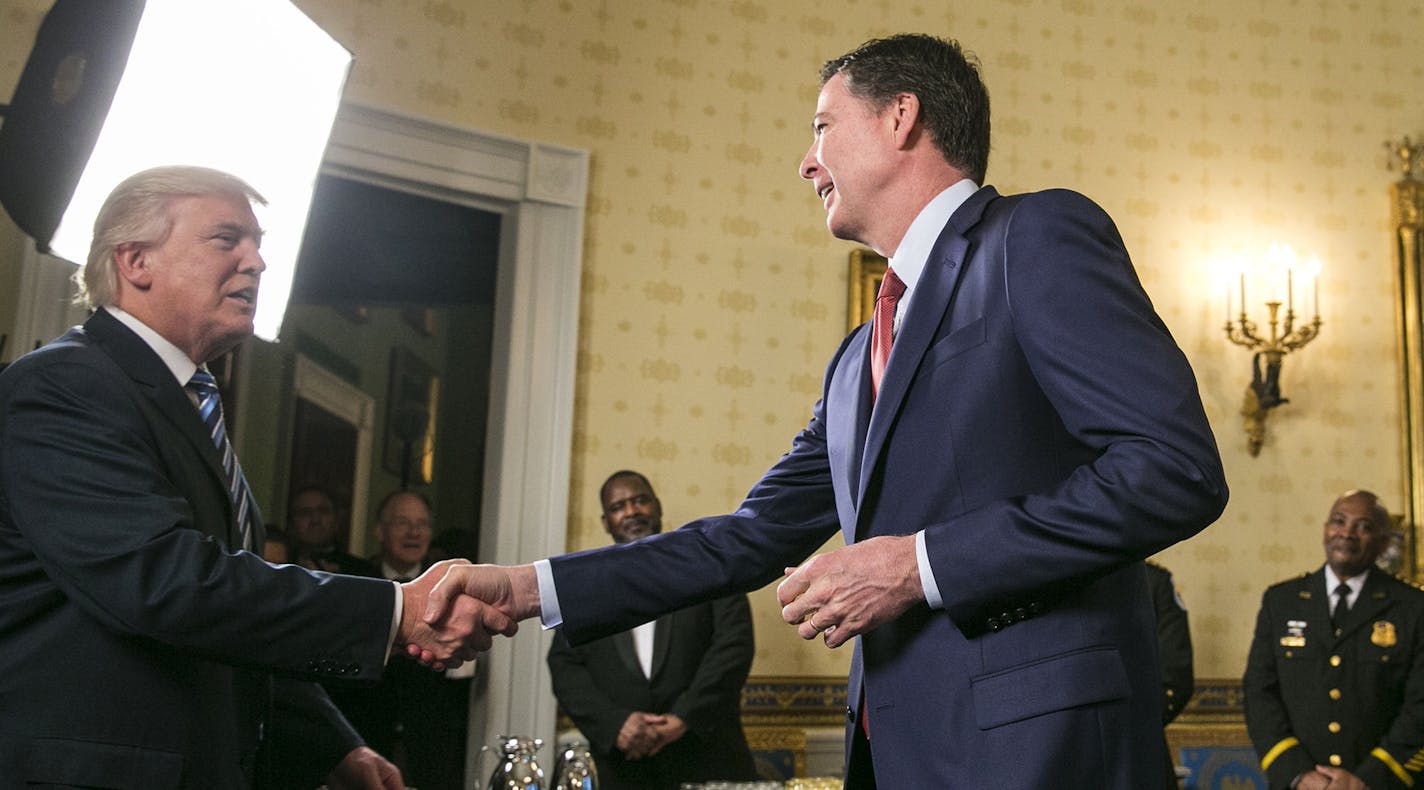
x,y
867,269
1407,213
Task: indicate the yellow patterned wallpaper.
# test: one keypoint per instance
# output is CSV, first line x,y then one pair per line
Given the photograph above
x,y
713,295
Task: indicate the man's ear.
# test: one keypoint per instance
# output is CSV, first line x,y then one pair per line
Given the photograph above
x,y
132,263
904,113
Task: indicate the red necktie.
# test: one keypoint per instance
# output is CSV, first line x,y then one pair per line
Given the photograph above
x,y
882,327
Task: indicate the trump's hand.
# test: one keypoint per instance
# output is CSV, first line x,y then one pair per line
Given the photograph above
x,y
502,595
849,591
363,769
463,629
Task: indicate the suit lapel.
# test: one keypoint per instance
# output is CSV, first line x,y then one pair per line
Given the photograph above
x,y
623,643
928,306
156,382
662,641
845,434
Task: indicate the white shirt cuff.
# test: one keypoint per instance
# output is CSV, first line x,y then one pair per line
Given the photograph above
x,y
396,613
549,613
927,579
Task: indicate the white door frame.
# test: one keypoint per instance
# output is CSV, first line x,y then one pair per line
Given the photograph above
x,y
539,190
352,405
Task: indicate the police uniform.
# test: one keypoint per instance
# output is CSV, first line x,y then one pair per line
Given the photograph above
x,y
1174,651
1350,697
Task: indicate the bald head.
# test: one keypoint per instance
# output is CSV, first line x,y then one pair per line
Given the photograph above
x,y
1356,533
403,527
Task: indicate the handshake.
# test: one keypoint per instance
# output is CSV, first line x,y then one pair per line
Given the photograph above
x,y
452,612
455,608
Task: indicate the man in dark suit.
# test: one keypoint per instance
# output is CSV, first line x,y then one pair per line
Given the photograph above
x,y
661,704
417,717
311,530
1000,449
142,644
1335,690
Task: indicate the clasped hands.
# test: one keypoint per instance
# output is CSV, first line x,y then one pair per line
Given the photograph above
x,y
453,610
1329,776
645,734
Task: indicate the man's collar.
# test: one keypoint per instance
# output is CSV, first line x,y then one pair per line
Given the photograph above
x,y
1356,582
173,357
390,572
914,250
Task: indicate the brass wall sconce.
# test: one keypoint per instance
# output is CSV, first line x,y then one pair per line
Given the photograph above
x,y
1269,351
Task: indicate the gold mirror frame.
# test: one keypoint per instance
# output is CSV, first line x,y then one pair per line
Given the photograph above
x,y
1407,210
867,269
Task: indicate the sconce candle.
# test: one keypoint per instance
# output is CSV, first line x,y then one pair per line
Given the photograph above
x,y
1284,335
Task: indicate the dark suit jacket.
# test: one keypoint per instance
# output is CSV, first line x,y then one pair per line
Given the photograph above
x,y
135,645
1174,653
416,717
1038,422
1375,669
701,657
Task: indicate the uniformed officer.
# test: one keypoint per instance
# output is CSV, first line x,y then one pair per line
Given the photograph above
x,y
1174,651
1334,682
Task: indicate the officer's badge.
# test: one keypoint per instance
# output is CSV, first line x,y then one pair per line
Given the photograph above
x,y
1383,634
1295,634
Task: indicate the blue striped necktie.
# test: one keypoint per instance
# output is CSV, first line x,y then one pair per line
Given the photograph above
x,y
210,408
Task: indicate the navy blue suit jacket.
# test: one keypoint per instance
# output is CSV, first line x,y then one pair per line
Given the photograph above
x,y
136,646
1041,426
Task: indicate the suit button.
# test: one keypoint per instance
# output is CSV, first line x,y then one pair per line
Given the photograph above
x,y
1036,607
1335,759
1334,693
1333,726
850,714
1335,661
1021,614
994,624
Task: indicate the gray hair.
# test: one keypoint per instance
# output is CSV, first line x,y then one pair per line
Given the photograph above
x,y
137,212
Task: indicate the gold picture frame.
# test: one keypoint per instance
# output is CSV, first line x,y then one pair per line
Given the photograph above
x,y
412,404
867,269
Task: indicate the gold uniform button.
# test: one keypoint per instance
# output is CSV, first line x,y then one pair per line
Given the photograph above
x,y
1333,726
1335,759
1334,661
1334,693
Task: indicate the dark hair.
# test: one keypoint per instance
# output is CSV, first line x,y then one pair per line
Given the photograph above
x,y
953,100
621,473
292,500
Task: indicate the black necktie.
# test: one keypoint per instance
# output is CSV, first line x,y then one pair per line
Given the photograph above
x,y
1342,604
